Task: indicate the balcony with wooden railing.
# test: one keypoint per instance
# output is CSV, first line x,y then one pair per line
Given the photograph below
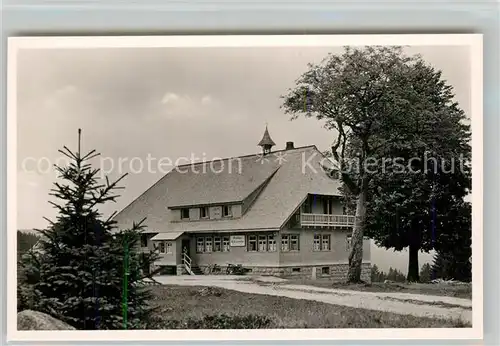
x,y
326,220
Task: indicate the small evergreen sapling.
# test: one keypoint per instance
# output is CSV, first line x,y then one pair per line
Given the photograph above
x,y
86,268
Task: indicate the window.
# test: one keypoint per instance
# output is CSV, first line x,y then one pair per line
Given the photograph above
x,y
317,242
227,211
162,247
225,244
294,242
204,213
144,240
271,243
169,247
322,242
284,243
200,245
325,270
252,243
217,244
208,244
185,213
295,270
262,243
212,244
325,242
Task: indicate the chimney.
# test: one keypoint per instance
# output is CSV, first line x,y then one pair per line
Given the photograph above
x,y
289,145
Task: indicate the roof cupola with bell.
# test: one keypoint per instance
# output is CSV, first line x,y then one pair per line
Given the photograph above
x,y
266,142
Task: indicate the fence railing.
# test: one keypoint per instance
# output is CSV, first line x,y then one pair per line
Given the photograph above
x,y
327,220
186,260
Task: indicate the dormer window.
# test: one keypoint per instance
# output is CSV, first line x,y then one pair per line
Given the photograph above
x,y
226,211
185,213
204,213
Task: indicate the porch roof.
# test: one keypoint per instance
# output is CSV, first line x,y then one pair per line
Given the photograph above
x,y
167,236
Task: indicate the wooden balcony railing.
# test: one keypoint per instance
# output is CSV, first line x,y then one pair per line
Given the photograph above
x,y
327,220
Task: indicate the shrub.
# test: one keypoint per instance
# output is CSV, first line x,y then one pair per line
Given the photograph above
x,y
221,321
208,291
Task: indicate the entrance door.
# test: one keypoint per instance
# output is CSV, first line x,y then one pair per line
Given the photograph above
x,y
185,245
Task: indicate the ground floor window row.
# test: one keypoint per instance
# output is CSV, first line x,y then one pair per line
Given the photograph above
x,y
265,243
255,243
212,244
261,243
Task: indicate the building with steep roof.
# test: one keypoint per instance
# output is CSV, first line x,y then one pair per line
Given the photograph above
x,y
276,212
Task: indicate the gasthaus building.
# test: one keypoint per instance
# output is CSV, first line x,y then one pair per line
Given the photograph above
x,y
275,213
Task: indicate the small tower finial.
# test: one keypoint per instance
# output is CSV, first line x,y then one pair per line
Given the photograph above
x,y
266,142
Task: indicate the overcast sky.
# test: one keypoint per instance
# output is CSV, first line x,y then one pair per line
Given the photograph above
x,y
169,103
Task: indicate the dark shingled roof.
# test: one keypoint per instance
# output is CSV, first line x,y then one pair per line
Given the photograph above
x,y
225,181
290,175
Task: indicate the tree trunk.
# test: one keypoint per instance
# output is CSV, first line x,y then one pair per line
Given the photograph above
x,y
356,255
413,274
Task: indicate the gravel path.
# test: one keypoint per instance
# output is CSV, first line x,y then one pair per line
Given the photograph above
x,y
401,303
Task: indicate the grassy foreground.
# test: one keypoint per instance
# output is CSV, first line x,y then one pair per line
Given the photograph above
x,y
450,290
195,302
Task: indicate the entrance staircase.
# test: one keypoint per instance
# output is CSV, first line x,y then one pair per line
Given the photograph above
x,y
190,267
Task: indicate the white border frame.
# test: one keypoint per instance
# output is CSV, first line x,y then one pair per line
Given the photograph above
x,y
474,41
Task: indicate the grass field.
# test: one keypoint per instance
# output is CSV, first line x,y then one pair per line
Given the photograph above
x,y
450,290
181,303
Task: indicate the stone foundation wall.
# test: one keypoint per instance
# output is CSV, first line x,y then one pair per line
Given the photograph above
x,y
336,272
181,270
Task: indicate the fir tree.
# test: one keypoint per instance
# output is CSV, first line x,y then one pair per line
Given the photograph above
x,y
440,267
87,272
395,275
452,265
375,273
28,275
425,273
25,241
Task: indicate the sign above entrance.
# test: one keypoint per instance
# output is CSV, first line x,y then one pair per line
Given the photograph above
x,y
237,240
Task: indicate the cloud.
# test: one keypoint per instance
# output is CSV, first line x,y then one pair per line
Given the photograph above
x,y
177,105
170,98
206,100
